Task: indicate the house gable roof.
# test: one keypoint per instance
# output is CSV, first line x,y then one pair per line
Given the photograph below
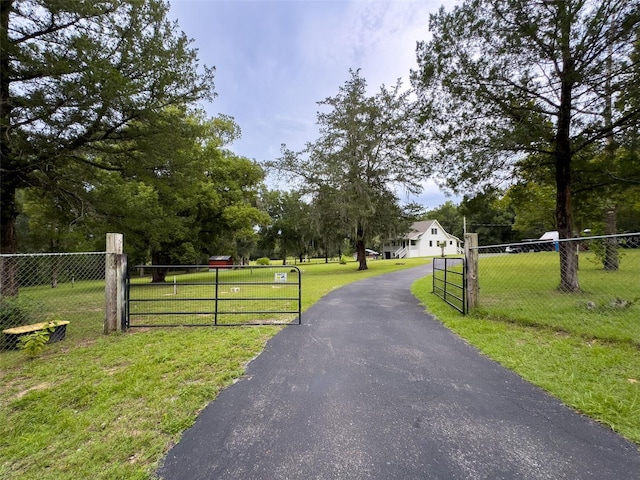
x,y
420,228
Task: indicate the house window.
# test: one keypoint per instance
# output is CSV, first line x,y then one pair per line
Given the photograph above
x,y
413,243
434,231
431,243
450,242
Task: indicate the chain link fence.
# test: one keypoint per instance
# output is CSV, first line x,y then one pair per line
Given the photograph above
x,y
36,288
526,283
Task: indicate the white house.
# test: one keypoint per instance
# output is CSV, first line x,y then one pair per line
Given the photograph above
x,y
425,239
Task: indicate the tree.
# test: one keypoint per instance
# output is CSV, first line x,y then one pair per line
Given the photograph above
x,y
362,156
449,216
487,214
185,197
73,76
503,79
288,231
327,227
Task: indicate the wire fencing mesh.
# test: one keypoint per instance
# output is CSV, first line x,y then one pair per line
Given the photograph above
x,y
38,288
588,285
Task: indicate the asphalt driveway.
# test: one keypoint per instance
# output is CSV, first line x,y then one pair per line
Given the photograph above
x,y
369,386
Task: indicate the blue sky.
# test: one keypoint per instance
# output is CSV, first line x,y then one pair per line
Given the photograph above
x,y
275,59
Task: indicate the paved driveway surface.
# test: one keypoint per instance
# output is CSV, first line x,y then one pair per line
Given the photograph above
x,y
371,387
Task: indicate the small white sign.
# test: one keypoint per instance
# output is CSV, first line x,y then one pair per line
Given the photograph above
x,y
281,278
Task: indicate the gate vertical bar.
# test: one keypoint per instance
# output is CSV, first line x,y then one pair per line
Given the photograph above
x,y
464,287
299,297
215,312
433,277
446,268
126,319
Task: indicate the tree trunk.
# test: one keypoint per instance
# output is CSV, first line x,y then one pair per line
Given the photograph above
x,y
563,154
568,253
360,249
158,274
8,239
611,259
8,178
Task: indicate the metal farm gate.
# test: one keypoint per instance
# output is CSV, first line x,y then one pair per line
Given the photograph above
x,y
202,295
449,282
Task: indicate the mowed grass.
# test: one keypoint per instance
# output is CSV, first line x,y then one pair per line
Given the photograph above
x,y
522,288
109,407
589,358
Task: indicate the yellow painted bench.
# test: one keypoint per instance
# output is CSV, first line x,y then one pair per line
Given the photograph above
x,y
13,334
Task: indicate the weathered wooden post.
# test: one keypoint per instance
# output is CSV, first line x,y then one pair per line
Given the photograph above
x,y
471,267
113,276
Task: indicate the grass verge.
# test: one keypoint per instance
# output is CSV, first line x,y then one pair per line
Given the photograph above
x,y
109,407
589,362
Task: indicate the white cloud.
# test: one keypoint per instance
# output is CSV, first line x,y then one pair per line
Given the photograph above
x,y
276,59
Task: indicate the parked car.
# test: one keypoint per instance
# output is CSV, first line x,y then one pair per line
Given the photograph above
x,y
531,245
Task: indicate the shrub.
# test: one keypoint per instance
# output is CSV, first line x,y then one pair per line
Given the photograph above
x,y
344,259
15,313
263,261
33,344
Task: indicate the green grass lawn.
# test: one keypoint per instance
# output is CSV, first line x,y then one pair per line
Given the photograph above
x,y
109,407
522,288
588,358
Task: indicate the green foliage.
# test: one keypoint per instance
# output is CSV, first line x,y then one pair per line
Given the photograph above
x,y
17,311
500,81
263,261
14,313
488,216
363,155
603,252
32,344
186,198
288,231
79,79
343,260
489,81
449,216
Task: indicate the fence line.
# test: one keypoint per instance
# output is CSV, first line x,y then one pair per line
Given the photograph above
x,y
36,288
45,254
523,282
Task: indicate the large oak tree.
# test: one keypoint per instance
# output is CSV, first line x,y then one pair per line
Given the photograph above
x,y
73,76
504,79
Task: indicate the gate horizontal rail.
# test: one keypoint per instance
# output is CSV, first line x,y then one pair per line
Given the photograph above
x,y
202,295
449,282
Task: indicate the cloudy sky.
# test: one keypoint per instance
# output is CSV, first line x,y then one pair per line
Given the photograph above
x,y
275,59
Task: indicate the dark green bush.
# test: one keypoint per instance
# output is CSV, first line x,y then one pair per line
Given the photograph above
x,y
15,312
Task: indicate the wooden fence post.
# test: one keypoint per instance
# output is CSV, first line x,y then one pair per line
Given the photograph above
x,y
113,276
471,266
